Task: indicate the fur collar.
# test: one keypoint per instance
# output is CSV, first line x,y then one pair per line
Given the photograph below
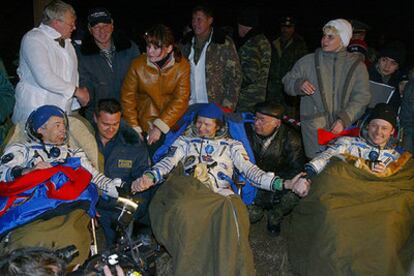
x,y
219,37
128,134
252,33
89,46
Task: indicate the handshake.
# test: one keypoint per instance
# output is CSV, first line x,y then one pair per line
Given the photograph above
x,y
300,184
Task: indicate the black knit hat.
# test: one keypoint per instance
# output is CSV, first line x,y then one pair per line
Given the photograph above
x,y
359,26
395,51
248,16
385,112
272,109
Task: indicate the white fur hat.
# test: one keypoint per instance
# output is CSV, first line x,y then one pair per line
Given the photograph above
x,y
344,29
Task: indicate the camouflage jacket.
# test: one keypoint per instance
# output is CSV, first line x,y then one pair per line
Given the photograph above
x,y
255,54
7,101
282,61
223,72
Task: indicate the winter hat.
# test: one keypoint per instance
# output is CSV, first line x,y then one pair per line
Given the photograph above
x,y
287,21
99,15
395,51
248,16
211,111
385,112
275,110
41,115
358,45
344,29
359,26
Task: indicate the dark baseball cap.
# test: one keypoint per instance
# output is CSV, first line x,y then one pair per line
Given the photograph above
x,y
99,15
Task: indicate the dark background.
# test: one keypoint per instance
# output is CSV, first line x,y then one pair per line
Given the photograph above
x,y
390,21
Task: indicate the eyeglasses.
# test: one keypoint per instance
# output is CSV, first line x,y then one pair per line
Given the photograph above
x,y
262,121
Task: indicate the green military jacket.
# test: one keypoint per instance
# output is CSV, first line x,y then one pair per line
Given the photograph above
x,y
255,55
223,72
283,60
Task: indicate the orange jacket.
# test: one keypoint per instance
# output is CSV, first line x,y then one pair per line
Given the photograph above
x,y
153,95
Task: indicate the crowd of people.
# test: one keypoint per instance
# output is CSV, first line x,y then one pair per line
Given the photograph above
x,y
199,132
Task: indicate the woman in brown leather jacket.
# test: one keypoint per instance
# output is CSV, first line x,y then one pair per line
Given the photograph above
x,y
156,89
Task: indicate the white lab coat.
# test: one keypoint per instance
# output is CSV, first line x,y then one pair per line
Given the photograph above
x,y
48,73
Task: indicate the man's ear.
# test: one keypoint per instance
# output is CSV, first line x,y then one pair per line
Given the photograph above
x,y
169,49
277,122
40,131
210,20
95,119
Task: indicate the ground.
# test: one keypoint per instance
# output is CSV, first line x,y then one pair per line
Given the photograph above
x,y
270,252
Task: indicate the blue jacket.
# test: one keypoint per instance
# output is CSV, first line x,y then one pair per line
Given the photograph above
x,y
126,156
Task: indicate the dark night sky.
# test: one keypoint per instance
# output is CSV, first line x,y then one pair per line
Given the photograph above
x,y
393,20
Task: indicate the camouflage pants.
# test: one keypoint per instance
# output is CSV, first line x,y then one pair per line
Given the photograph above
x,y
277,204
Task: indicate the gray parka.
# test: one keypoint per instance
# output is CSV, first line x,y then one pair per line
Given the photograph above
x,y
342,92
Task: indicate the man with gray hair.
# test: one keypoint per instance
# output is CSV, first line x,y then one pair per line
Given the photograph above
x,y
48,69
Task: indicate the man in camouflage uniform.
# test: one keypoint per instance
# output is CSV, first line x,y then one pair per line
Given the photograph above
x,y
215,67
6,106
255,53
286,50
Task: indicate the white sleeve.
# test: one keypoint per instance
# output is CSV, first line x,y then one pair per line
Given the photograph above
x,y
107,185
337,148
175,154
258,177
35,53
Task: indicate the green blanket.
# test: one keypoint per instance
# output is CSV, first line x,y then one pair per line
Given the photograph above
x,y
205,233
55,233
354,223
